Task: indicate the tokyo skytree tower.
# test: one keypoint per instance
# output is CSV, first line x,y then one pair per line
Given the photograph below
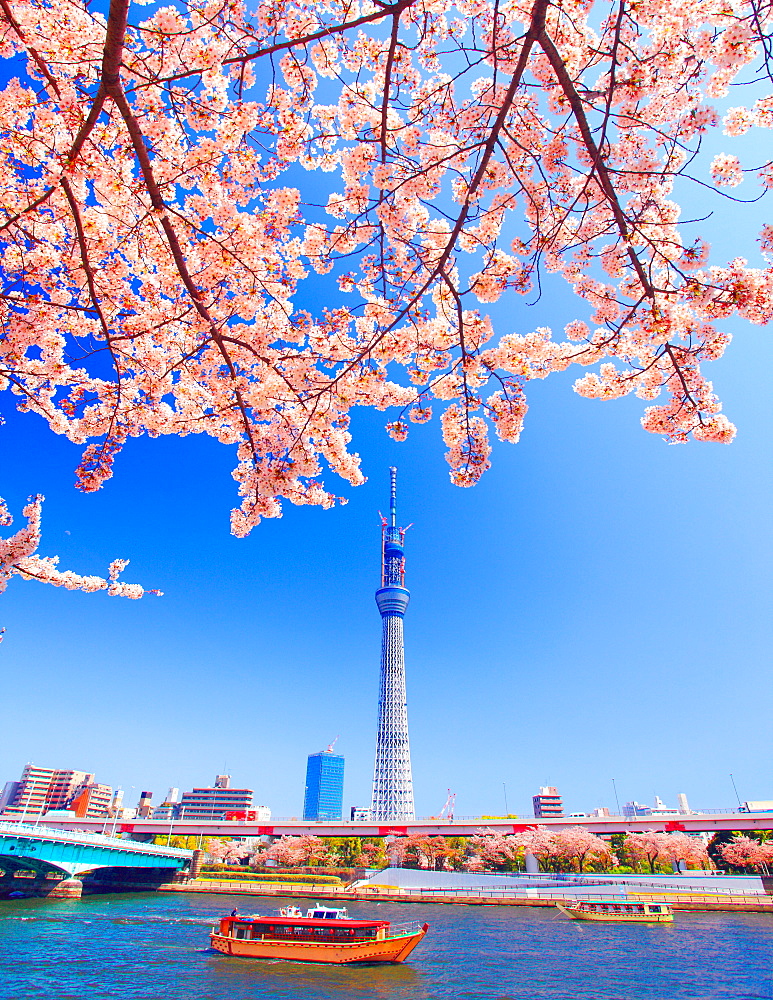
x,y
392,781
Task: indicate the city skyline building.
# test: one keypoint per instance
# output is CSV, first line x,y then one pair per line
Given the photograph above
x,y
392,776
44,789
169,807
218,801
145,805
92,801
323,797
633,808
547,803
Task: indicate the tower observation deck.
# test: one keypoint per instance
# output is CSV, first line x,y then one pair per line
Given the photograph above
x,y
392,781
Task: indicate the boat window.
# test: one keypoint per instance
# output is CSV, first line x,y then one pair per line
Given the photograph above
x,y
654,909
240,930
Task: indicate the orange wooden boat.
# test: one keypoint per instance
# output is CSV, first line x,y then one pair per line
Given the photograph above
x,y
323,935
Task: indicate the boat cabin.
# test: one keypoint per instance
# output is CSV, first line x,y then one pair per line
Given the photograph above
x,y
621,908
321,930
322,913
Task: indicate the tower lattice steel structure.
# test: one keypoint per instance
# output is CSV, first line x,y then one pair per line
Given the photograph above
x,y
392,781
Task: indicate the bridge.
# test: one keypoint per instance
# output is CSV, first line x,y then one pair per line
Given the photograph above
x,y
37,860
462,827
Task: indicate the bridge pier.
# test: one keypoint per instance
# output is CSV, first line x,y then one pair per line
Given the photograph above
x,y
40,886
68,888
196,862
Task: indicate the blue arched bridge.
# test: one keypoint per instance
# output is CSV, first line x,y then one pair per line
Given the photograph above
x,y
52,860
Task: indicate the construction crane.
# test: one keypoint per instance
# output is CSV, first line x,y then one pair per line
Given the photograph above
x,y
331,745
447,811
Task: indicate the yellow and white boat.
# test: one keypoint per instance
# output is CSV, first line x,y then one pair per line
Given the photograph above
x,y
640,912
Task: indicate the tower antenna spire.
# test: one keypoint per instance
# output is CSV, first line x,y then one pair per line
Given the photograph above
x,y
392,778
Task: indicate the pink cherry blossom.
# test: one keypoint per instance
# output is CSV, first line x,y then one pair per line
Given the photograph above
x,y
655,848
726,170
172,180
745,852
18,557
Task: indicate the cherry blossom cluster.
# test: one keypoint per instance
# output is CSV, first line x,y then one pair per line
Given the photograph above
x,y
171,178
294,852
573,847
18,557
745,852
654,848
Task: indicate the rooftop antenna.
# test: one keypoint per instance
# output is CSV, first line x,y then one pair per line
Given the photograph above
x,y
736,791
617,800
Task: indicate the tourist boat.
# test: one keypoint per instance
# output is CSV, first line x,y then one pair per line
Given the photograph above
x,y
649,913
325,934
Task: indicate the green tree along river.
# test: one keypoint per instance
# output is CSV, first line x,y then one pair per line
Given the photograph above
x,y
156,947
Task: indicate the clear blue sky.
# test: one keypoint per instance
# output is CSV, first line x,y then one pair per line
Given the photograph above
x,y
597,608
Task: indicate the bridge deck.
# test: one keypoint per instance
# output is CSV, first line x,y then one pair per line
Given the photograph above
x,y
43,833
38,848
469,826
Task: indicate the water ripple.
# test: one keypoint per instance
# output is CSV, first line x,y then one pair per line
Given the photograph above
x,y
155,947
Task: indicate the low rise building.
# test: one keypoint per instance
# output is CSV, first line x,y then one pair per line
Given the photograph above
x,y
548,803
633,809
145,805
216,802
169,807
92,801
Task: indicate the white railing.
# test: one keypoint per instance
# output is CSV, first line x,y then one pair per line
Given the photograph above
x,y
404,928
37,831
560,890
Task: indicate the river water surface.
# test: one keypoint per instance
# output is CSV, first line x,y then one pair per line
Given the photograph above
x,y
155,947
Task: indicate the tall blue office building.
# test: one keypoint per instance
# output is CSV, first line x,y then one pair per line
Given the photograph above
x,y
324,796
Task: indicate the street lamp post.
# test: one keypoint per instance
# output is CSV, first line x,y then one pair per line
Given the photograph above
x,y
115,812
171,822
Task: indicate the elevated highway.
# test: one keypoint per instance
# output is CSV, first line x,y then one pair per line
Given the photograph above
x,y
463,827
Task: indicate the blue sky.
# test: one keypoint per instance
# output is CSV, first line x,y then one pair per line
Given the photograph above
x,y
597,608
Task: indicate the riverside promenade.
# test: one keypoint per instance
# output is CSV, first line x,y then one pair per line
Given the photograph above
x,y
733,893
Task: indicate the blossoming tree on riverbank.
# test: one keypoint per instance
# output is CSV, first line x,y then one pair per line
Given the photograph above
x,y
654,849
746,852
174,176
565,850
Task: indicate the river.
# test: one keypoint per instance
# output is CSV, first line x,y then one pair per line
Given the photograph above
x,y
155,947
